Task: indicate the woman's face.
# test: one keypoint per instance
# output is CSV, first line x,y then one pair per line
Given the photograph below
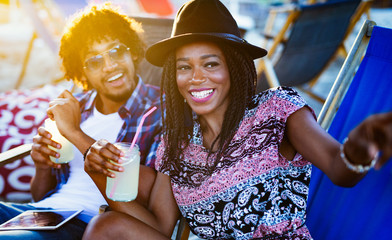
x,y
203,78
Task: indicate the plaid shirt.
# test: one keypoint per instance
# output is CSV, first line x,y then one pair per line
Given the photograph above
x,y
142,99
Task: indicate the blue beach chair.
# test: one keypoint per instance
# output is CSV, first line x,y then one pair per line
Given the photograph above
x,y
361,212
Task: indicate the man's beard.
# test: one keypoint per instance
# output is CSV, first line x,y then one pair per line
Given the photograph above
x,y
119,97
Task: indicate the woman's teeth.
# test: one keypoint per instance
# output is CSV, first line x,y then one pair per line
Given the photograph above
x,y
115,77
202,94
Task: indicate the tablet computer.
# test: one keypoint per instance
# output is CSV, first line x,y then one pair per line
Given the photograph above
x,y
39,220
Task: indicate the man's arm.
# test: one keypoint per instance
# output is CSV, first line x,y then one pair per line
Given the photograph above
x,y
66,112
43,180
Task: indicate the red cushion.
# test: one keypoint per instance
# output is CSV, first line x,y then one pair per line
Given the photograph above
x,y
21,113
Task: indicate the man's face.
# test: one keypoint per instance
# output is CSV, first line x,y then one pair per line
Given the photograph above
x,y
109,68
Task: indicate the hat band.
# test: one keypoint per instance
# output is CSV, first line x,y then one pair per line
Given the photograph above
x,y
231,37
226,36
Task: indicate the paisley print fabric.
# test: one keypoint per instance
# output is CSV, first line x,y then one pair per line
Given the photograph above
x,y
253,192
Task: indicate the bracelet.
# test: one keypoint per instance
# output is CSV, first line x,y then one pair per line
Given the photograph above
x,y
85,153
356,167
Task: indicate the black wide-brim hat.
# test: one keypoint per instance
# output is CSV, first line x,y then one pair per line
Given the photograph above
x,y
199,20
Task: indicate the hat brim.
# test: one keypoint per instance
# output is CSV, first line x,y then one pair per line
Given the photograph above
x,y
156,54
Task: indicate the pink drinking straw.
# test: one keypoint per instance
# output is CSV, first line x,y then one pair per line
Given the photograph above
x,y
133,143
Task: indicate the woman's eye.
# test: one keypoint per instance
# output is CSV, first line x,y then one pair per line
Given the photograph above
x,y
211,64
182,67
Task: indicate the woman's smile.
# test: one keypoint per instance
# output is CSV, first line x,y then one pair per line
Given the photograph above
x,y
201,95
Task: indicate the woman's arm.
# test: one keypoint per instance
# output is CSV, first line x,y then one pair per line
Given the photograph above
x,y
320,148
155,204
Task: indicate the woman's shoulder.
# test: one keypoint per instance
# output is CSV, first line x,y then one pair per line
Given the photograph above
x,y
277,95
279,102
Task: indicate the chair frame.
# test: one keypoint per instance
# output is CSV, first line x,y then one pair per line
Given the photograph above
x,y
363,8
346,75
14,154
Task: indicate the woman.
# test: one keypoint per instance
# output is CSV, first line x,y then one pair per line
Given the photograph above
x,y
238,164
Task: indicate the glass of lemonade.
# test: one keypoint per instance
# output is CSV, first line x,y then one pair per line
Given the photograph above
x,y
66,151
124,186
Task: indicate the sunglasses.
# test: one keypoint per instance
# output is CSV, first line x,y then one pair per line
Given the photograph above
x,y
116,54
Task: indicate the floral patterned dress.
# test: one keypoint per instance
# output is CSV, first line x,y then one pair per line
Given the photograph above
x,y
253,192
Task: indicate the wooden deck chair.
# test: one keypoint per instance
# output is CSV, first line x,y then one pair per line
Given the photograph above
x,y
183,230
361,212
363,9
309,38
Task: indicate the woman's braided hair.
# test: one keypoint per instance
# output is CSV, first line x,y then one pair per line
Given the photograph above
x,y
178,122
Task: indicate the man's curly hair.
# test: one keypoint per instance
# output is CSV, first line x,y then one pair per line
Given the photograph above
x,y
94,24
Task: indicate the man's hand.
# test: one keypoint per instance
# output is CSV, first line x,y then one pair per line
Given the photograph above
x,y
65,110
40,151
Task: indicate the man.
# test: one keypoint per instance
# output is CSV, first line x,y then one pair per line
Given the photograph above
x,y
100,51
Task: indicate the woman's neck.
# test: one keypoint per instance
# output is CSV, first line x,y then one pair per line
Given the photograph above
x,y
211,128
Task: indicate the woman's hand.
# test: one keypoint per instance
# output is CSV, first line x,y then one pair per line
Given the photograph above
x,y
100,158
373,135
40,151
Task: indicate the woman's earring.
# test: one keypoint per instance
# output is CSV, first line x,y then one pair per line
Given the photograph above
x,y
184,100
